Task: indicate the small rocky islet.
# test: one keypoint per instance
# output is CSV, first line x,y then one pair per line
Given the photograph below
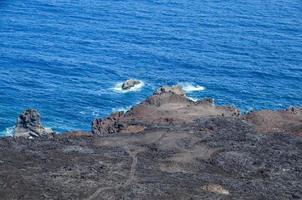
x,y
128,84
166,147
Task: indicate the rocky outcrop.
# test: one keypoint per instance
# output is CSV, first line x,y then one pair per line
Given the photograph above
x,y
169,106
166,107
108,125
29,125
130,84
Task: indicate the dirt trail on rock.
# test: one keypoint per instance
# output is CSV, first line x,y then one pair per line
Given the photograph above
x,y
128,182
132,171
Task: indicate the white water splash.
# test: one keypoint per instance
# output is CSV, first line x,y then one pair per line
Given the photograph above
x,y
192,98
10,131
124,109
189,87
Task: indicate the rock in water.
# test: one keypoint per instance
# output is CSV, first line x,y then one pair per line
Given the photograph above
x,y
29,125
130,84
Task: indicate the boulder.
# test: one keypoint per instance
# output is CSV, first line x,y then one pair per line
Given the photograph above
x,y
130,84
29,125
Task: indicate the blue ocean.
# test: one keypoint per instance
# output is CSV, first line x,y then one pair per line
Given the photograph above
x,y
67,58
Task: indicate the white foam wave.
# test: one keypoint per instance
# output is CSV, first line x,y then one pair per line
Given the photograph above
x,y
118,87
125,109
83,113
192,99
189,87
10,131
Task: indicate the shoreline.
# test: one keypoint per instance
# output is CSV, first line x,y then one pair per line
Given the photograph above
x,y
9,132
166,147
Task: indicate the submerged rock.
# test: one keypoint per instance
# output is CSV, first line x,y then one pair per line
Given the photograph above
x,y
29,125
130,84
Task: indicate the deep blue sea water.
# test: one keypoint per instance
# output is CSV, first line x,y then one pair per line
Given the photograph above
x,y
65,57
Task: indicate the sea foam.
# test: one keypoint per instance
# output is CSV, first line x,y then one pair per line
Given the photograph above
x,y
10,131
190,87
192,98
124,109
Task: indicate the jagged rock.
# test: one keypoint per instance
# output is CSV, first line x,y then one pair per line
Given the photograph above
x,y
29,125
107,126
130,83
167,106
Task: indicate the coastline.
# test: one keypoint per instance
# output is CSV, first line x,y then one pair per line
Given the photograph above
x,y
166,147
175,102
151,100
80,118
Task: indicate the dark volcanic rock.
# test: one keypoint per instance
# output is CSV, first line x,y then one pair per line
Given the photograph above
x,y
107,126
213,158
29,125
168,106
167,147
130,84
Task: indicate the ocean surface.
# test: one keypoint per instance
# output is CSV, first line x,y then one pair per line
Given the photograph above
x,y
67,58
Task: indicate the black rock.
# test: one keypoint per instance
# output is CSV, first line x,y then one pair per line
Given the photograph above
x,y
29,125
130,84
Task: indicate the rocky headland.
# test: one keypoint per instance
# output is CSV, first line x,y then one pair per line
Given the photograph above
x,y
166,147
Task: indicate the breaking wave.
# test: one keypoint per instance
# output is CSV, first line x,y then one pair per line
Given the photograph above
x,y
192,98
125,109
189,87
10,131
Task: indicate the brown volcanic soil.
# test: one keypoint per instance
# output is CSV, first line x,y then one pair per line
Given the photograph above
x,y
167,147
289,121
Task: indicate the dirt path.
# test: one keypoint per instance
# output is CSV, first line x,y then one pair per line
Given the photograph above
x,y
125,184
132,170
